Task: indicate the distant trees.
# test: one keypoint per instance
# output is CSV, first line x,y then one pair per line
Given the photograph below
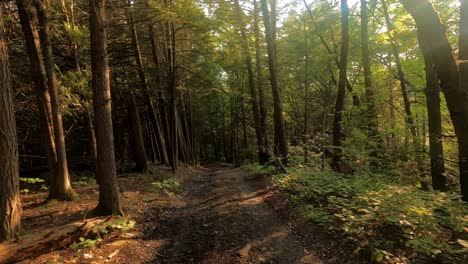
x,y
10,205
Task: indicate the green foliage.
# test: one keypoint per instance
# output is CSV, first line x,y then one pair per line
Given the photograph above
x,y
84,243
119,223
169,187
368,208
31,180
83,182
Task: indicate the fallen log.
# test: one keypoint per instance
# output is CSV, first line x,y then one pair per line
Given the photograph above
x,y
46,240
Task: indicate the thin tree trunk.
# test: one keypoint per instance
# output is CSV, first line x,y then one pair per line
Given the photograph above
x,y
251,80
109,202
340,99
136,132
10,204
61,187
372,123
281,144
306,97
261,87
401,74
28,20
435,127
434,43
91,137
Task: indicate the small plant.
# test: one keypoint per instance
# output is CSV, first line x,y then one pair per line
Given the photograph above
x,y
169,187
84,243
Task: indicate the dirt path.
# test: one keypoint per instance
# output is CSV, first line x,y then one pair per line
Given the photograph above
x,y
225,219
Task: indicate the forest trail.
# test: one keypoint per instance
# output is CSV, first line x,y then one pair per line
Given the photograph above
x,y
226,219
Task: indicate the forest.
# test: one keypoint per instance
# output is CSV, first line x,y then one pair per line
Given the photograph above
x,y
228,131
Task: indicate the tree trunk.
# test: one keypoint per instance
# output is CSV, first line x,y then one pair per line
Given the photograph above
x,y
306,97
340,99
435,127
434,43
109,202
372,123
61,187
91,137
28,20
136,132
261,87
401,74
10,204
251,80
281,144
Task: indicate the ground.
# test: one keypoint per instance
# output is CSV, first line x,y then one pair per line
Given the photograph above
x,y
221,215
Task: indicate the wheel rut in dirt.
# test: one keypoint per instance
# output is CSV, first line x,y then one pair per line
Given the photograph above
x,y
225,219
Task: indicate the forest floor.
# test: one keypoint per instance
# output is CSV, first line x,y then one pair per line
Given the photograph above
x,y
219,215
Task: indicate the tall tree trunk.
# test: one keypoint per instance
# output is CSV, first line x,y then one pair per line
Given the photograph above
x,y
340,99
251,80
172,90
109,202
372,123
281,144
306,96
10,204
435,127
434,43
261,87
401,74
136,132
28,20
61,187
333,54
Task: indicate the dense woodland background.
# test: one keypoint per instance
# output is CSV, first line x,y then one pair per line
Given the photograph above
x,y
374,89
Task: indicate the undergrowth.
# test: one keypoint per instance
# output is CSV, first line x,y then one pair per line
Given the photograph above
x,y
378,215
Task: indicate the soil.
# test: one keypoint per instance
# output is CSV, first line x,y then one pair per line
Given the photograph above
x,y
223,215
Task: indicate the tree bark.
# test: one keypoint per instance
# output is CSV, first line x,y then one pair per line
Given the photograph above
x,y
281,144
109,202
251,80
435,127
372,124
401,74
340,99
60,187
136,132
28,20
10,204
261,87
433,42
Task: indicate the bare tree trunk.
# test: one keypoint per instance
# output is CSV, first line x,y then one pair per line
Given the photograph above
x,y
251,80
10,204
281,144
28,20
109,202
435,127
434,43
261,87
340,99
306,97
136,132
371,111
61,187
401,74
91,137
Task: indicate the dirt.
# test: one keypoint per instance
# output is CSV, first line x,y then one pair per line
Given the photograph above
x,y
223,215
